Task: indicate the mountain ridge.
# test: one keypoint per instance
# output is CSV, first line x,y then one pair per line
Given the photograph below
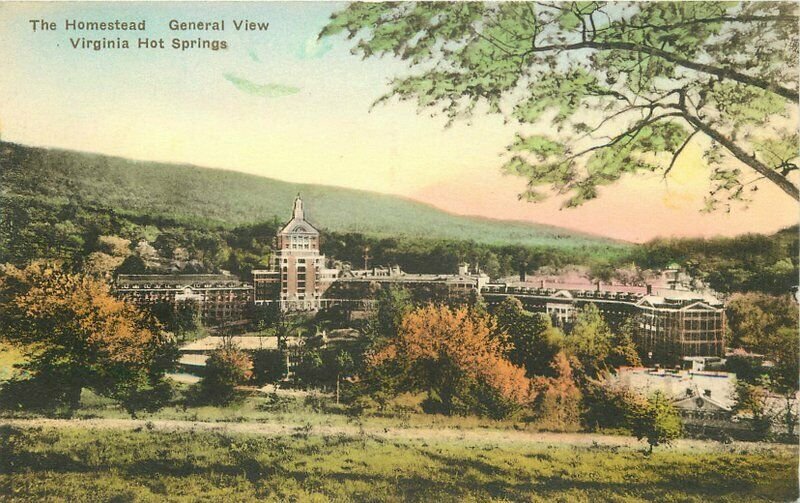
x,y
230,198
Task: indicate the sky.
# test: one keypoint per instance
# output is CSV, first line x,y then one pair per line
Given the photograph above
x,y
284,105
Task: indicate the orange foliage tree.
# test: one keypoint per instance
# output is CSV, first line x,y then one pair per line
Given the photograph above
x,y
453,354
558,403
76,334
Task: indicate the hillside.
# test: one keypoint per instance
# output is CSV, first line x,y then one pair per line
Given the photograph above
x,y
193,194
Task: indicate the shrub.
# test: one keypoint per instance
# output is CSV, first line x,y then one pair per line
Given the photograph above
x,y
45,393
655,419
311,369
277,403
607,405
226,367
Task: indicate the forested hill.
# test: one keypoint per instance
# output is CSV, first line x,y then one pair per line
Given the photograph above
x,y
93,211
197,195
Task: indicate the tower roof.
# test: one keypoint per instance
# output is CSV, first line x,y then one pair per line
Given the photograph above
x,y
298,224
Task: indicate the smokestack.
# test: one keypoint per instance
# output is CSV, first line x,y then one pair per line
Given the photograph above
x,y
649,289
522,274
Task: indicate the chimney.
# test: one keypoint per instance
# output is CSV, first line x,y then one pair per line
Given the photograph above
x,y
522,274
649,289
597,286
541,284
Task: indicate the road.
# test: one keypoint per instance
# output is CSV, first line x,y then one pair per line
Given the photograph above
x,y
471,436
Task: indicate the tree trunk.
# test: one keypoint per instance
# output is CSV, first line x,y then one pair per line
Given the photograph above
x,y
74,398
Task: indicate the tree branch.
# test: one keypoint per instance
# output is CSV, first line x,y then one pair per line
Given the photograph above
x,y
629,132
707,20
750,160
725,73
651,108
678,153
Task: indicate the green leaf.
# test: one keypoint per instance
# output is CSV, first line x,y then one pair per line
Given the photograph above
x,y
539,145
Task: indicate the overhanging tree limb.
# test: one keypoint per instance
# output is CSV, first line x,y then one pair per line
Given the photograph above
x,y
750,160
708,20
724,73
735,61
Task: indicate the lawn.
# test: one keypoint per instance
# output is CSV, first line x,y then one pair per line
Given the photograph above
x,y
285,407
114,465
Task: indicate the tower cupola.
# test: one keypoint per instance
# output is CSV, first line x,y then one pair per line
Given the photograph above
x,y
298,209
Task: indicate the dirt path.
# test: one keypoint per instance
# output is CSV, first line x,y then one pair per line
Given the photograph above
x,y
472,436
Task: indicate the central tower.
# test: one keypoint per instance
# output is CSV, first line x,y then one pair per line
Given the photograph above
x,y
298,238
297,264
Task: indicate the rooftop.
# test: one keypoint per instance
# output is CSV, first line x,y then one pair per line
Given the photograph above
x,y
659,296
177,279
719,385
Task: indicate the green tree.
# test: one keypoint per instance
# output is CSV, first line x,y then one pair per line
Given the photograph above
x,y
344,365
265,316
226,367
535,342
754,318
623,350
600,272
392,305
747,263
181,319
591,340
311,367
747,369
753,400
607,404
626,85
476,303
767,324
655,420
132,265
188,318
785,351
268,366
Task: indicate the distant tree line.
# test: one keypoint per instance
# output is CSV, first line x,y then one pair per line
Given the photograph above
x,y
747,263
106,241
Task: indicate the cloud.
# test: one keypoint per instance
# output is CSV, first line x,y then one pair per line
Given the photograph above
x,y
263,90
314,48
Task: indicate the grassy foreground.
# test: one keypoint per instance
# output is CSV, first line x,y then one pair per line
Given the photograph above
x,y
81,464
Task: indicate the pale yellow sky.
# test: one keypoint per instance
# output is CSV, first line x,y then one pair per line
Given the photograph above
x,y
182,107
